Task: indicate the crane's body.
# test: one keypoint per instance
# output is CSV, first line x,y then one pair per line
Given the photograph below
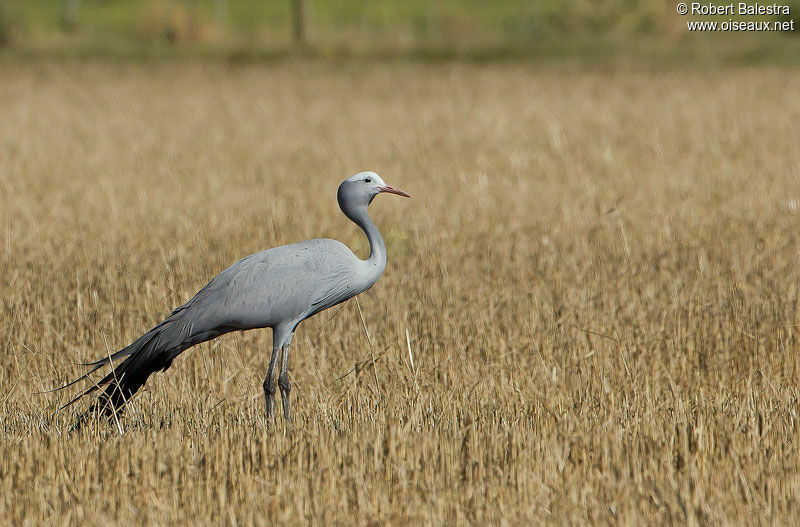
x,y
280,286
277,288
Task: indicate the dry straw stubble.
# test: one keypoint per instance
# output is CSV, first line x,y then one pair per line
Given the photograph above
x,y
596,280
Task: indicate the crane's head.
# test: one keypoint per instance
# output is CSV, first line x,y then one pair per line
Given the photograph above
x,y
361,189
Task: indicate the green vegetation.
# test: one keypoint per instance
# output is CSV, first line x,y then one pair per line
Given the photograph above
x,y
252,29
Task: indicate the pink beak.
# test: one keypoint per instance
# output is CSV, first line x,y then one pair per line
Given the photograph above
x,y
391,190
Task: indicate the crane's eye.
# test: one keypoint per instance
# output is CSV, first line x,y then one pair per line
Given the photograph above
x,y
368,180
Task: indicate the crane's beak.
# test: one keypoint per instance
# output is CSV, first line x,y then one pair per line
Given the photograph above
x,y
391,190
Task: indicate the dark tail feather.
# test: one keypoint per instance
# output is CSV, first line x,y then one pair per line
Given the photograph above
x,y
124,352
154,351
79,379
135,346
128,350
122,383
96,365
151,352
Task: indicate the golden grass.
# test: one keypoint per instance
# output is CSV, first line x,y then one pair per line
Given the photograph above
x,y
597,276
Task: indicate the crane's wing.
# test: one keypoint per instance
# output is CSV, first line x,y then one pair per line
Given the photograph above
x,y
285,285
334,289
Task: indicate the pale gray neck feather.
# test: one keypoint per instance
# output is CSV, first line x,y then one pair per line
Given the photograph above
x,y
372,267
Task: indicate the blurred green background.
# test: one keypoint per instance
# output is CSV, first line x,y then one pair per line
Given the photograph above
x,y
480,29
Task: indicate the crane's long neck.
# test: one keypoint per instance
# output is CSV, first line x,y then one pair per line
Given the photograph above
x,y
376,263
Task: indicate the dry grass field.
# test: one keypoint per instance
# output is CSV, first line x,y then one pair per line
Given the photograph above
x,y
597,278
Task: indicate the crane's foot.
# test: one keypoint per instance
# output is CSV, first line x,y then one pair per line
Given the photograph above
x,y
285,387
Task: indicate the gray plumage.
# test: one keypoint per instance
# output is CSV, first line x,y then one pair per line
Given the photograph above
x,y
277,288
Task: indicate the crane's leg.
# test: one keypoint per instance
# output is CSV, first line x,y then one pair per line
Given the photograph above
x,y
269,384
283,381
